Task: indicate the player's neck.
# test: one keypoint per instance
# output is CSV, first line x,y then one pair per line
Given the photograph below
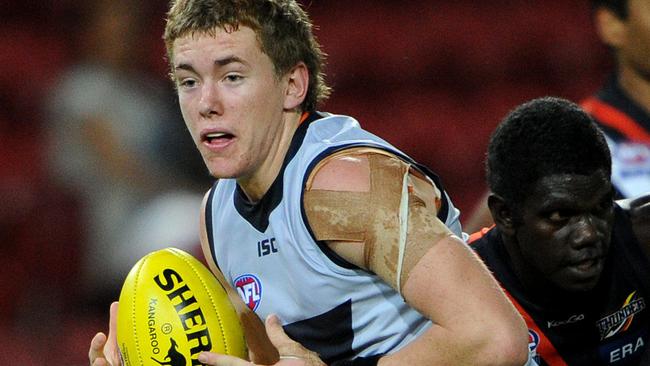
x,y
258,183
636,86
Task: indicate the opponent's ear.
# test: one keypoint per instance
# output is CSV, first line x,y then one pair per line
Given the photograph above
x,y
297,85
611,29
502,214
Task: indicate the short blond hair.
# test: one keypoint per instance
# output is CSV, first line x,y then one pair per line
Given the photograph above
x,y
283,29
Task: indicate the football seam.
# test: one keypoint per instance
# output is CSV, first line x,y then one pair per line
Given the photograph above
x,y
133,309
214,306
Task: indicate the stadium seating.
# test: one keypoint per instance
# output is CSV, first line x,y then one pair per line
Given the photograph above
x,y
432,77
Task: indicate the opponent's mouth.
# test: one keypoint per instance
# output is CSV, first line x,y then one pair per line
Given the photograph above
x,y
588,264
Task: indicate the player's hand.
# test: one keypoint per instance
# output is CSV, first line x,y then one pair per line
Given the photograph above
x,y
291,352
640,217
103,350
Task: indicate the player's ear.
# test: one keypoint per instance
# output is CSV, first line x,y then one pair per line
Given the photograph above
x,y
297,85
611,29
502,214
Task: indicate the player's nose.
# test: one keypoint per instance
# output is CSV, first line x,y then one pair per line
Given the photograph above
x,y
210,104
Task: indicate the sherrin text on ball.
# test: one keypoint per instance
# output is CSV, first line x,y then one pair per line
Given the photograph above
x,y
171,309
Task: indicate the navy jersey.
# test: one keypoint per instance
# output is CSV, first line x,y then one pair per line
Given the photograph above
x,y
266,250
627,128
608,326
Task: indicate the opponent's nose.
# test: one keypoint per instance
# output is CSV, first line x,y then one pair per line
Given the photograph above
x,y
588,230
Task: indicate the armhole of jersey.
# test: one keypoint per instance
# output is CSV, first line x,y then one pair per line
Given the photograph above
x,y
331,254
443,213
473,237
208,223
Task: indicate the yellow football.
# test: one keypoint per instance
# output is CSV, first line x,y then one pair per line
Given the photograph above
x,y
171,309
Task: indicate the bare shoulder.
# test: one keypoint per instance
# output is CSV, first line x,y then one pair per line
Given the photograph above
x,y
368,169
345,171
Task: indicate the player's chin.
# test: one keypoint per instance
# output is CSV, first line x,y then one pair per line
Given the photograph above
x,y
221,168
581,278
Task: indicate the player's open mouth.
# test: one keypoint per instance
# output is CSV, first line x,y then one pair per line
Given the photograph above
x,y
216,137
217,141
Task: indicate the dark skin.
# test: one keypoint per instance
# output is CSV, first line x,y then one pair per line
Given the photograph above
x,y
564,221
558,238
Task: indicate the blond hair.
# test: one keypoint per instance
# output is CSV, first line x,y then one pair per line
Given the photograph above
x,y
283,29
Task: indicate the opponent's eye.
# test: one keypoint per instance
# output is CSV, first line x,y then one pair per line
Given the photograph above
x,y
559,216
606,204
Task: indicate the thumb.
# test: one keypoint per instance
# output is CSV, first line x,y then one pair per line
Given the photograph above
x,y
291,351
275,331
111,350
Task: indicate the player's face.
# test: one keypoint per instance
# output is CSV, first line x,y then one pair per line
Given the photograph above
x,y
634,52
231,100
565,231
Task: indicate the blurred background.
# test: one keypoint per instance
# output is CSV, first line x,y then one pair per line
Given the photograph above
x,y
96,168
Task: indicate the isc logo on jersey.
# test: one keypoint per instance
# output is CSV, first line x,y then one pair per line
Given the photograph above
x,y
250,290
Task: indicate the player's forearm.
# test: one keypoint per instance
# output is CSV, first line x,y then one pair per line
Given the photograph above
x,y
475,324
440,347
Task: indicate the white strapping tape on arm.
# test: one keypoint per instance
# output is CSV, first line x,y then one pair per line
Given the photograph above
x,y
403,228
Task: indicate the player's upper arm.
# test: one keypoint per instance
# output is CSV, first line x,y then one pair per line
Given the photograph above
x,y
209,258
205,242
374,210
261,350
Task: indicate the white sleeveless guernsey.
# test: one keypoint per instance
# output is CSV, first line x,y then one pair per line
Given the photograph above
x,y
267,252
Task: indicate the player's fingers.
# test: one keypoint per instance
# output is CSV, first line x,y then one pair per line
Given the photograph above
x,y
100,362
111,350
276,333
215,359
96,347
112,323
292,353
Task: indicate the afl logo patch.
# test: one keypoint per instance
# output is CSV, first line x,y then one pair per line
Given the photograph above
x,y
533,343
250,290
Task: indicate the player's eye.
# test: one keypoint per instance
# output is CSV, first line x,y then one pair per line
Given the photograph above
x,y
232,78
186,83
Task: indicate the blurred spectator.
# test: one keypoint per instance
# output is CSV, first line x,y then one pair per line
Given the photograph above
x,y
113,135
622,106
453,70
